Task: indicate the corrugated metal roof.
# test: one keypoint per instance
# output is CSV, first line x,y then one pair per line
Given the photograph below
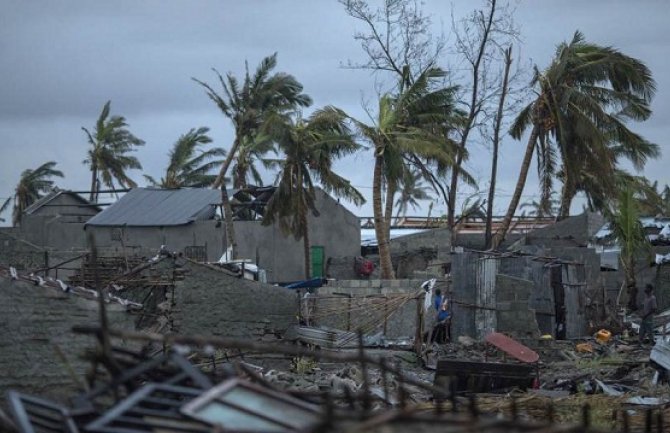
x,y
51,196
148,207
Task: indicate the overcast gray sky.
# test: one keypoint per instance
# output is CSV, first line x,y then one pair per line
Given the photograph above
x,y
60,61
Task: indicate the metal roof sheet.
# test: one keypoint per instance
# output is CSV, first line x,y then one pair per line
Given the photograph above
x,y
51,196
149,207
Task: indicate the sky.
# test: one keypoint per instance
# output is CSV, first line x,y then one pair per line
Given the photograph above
x,y
61,61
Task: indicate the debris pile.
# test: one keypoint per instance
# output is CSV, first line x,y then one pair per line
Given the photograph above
x,y
197,384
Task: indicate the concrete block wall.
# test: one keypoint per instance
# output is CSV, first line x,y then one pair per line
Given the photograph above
x,y
208,233
438,240
341,268
400,324
209,302
34,322
514,315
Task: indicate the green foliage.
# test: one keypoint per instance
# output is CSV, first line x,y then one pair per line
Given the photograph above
x,y
189,165
584,100
249,104
626,227
251,151
310,148
629,233
31,186
108,154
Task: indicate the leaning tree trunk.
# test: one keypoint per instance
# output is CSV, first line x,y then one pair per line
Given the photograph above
x,y
94,180
306,246
566,198
225,200
496,145
388,212
492,189
520,184
380,224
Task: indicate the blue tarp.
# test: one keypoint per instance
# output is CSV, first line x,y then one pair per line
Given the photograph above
x,y
305,284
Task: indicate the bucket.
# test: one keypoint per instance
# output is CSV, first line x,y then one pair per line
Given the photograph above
x,y
603,336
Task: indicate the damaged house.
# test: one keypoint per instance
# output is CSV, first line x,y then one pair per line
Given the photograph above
x,y
652,267
189,221
548,282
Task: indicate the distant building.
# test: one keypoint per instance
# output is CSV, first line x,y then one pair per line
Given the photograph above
x,y
189,221
56,221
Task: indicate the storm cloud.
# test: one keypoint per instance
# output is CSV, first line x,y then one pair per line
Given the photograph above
x,y
60,62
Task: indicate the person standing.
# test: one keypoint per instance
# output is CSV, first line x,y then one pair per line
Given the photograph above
x,y
442,329
648,310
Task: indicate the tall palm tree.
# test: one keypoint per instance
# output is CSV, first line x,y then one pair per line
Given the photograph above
x,y
310,148
411,123
30,188
583,100
412,189
247,107
108,156
190,166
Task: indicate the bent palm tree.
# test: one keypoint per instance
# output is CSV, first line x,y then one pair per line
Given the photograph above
x,y
189,167
250,151
583,100
412,189
412,123
247,108
310,148
108,156
30,188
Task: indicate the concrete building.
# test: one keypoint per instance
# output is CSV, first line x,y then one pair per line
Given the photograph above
x,y
56,221
188,221
144,219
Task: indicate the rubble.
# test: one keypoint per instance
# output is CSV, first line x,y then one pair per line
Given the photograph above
x,y
213,361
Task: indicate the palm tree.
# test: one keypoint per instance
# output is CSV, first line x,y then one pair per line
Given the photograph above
x,y
629,233
310,148
411,123
30,188
247,107
251,150
541,209
189,166
583,100
652,202
412,189
108,156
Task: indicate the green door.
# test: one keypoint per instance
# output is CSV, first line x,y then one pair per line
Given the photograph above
x,y
317,262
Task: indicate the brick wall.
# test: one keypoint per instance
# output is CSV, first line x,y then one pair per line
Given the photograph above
x,y
514,315
34,321
210,302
